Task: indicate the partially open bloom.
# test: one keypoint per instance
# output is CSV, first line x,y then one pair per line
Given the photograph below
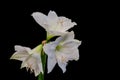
x,y
62,50
30,58
53,24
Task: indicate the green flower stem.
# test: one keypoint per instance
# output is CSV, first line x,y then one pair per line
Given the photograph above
x,y
43,58
41,76
49,36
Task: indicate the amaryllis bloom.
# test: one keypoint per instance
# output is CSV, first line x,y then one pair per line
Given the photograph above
x,y
54,25
62,50
30,58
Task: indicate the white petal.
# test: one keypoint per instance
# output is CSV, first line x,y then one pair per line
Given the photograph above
x,y
73,54
22,48
68,41
41,19
21,53
68,51
61,62
63,56
19,56
56,33
52,20
49,48
38,67
34,63
66,37
62,66
61,39
51,62
66,23
72,44
53,16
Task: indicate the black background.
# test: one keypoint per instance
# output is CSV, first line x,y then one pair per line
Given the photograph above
x,y
17,27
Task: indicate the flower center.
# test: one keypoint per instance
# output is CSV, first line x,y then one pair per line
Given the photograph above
x,y
58,47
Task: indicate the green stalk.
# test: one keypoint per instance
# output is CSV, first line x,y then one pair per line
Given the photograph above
x,y
43,58
49,36
41,76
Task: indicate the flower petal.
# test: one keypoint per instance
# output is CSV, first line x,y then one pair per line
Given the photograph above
x,y
49,48
63,56
62,66
50,51
66,23
70,52
19,56
71,44
51,62
53,16
38,67
41,19
52,20
75,55
22,48
61,62
66,37
56,33
34,63
21,53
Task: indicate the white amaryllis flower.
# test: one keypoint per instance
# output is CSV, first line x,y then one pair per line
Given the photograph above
x,y
62,50
30,58
53,24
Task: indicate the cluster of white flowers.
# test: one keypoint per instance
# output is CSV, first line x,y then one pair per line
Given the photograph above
x,y
62,50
